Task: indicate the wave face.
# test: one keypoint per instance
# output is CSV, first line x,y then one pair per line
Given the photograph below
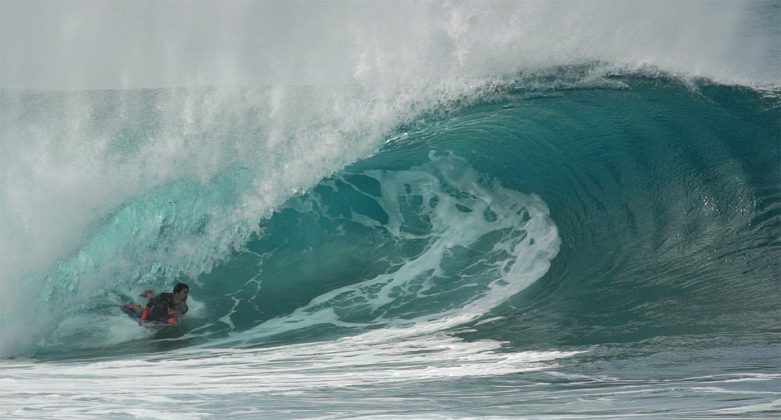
x,y
657,193
619,210
598,230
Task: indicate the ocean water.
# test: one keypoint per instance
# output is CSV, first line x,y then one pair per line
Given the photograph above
x,y
489,210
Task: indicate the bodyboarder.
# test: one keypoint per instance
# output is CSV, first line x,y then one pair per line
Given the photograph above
x,y
165,308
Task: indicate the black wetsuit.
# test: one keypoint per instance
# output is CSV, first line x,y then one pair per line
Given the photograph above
x,y
161,308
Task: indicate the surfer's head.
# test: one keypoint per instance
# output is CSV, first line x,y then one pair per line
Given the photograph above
x,y
181,291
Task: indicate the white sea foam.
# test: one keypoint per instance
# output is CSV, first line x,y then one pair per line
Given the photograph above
x,y
194,384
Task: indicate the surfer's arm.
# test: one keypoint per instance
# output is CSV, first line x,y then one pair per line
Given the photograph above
x,y
134,307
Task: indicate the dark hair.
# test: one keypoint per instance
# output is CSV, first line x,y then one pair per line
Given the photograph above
x,y
180,286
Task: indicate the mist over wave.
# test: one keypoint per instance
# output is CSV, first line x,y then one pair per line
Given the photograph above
x,y
381,45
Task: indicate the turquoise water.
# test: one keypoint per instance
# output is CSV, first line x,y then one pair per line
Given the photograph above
x,y
603,249
572,241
